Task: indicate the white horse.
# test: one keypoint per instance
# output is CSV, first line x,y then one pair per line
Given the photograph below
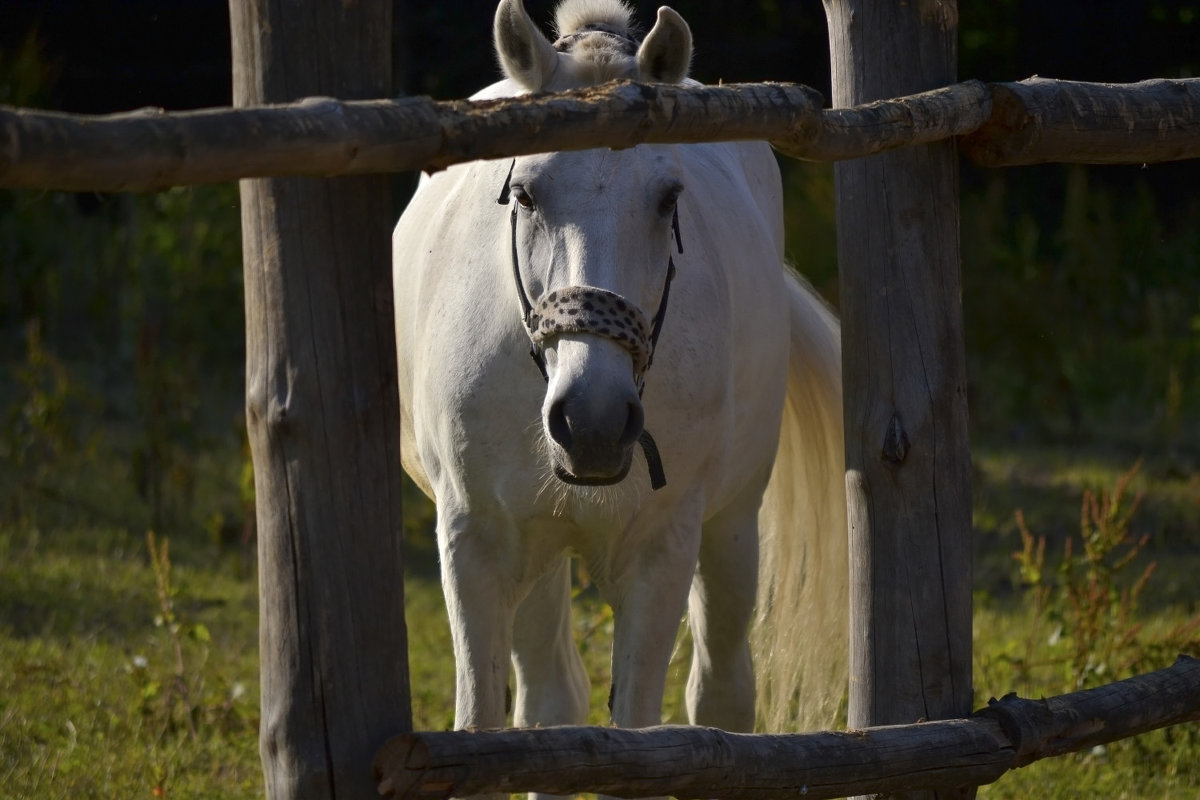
x,y
526,471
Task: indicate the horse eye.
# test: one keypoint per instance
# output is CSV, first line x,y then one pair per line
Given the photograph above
x,y
667,204
523,198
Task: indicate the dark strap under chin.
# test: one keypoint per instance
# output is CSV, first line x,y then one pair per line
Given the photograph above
x,y
658,478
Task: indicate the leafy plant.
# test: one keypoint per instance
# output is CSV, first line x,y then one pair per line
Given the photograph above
x,y
175,692
1078,623
1086,628
1091,614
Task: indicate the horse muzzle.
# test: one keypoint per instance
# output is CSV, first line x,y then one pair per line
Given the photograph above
x,y
592,429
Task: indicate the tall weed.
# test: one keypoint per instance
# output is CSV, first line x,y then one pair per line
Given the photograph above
x,y
1079,624
179,695
1085,627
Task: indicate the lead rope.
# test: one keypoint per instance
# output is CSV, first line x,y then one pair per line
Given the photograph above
x,y
654,465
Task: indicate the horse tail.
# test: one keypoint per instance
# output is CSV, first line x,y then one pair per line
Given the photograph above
x,y
801,634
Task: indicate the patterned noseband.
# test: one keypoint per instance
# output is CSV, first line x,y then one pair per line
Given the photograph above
x,y
586,309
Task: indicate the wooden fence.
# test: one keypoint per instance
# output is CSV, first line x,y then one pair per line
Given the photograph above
x,y
321,381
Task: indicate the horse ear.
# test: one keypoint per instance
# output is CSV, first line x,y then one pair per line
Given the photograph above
x,y
525,54
666,53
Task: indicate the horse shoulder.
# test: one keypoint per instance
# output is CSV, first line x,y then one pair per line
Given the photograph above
x,y
444,306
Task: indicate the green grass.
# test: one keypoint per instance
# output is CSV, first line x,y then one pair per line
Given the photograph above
x,y
95,701
1120,601
110,687
1161,764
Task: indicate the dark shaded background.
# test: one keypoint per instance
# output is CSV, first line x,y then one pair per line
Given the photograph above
x,y
175,53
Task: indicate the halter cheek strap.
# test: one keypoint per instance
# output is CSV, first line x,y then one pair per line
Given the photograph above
x,y
588,309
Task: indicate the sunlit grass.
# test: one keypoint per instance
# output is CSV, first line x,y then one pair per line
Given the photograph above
x,y
1164,764
90,690
90,704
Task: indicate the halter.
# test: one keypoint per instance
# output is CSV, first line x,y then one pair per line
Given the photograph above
x,y
625,43
588,309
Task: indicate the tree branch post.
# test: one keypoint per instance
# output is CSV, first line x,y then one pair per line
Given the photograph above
x,y
322,414
908,463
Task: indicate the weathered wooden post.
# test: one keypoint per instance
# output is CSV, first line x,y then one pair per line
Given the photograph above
x,y
907,454
322,414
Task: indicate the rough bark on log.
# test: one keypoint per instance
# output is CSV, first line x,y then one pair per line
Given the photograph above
x,y
149,150
1039,121
864,130
690,762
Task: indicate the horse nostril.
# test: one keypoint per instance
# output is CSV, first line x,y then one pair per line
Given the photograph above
x,y
564,433
634,424
557,424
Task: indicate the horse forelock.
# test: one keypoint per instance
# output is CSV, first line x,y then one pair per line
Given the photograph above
x,y
573,16
600,38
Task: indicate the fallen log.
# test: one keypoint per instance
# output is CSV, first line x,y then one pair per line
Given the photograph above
x,y
689,762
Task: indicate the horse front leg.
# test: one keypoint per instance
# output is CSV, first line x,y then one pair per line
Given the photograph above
x,y
648,600
721,686
480,599
552,683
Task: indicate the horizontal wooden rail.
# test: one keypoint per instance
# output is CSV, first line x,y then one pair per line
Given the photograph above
x,y
147,150
703,762
1039,121
1014,123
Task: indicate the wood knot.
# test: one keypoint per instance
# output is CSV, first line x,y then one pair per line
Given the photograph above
x,y
895,443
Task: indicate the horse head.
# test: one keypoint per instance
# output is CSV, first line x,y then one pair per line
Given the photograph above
x,y
591,236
